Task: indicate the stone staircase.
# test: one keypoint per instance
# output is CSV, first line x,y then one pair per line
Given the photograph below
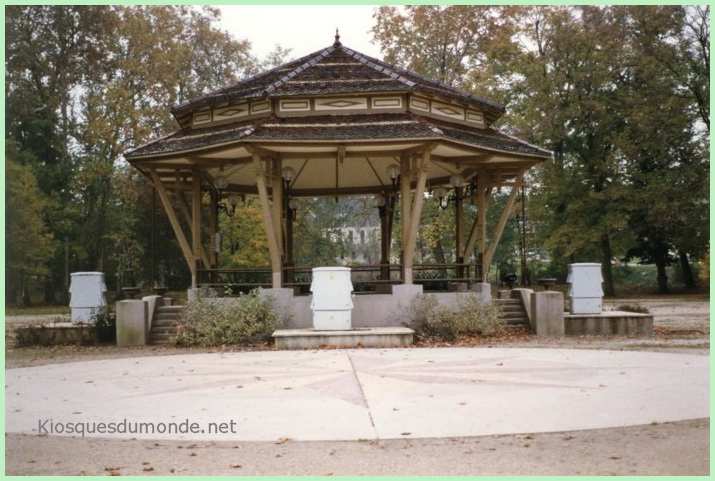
x,y
514,312
163,327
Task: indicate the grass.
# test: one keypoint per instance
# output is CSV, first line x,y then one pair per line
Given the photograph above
x,y
38,311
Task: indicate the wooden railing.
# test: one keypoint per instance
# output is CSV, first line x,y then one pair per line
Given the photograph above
x,y
365,278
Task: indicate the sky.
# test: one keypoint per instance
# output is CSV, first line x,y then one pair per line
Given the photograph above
x,y
302,28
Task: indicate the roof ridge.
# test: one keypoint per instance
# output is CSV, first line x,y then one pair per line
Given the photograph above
x,y
236,84
374,63
315,57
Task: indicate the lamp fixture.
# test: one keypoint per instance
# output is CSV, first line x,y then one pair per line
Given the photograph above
x,y
457,181
221,184
294,204
288,174
393,172
379,200
441,194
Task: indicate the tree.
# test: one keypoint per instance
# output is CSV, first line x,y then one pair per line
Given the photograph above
x,y
86,82
243,239
567,101
443,42
49,50
667,168
28,244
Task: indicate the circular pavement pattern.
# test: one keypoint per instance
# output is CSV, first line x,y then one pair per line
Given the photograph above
x,y
356,394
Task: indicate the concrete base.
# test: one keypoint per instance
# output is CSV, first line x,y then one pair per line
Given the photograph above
x,y
547,313
484,289
525,296
367,337
132,323
608,323
53,334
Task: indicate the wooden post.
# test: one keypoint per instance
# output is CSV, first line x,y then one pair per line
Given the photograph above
x,y
481,223
273,246
176,225
415,212
196,211
459,230
214,233
506,213
384,241
186,210
289,275
406,205
277,194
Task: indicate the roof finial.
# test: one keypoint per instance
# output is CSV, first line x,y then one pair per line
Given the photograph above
x,y
337,38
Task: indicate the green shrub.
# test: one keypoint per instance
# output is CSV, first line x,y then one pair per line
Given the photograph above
x,y
244,320
105,322
432,321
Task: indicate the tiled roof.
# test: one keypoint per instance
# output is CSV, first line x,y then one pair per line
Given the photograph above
x,y
336,127
334,70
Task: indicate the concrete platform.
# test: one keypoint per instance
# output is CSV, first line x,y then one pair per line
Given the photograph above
x,y
359,337
54,333
607,323
357,394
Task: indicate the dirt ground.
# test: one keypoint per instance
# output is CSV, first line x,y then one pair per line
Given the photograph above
x,y
680,448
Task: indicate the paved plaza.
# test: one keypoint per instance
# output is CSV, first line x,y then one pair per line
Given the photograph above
x,y
359,394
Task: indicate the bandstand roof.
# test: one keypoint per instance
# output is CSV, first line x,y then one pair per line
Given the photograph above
x,y
339,118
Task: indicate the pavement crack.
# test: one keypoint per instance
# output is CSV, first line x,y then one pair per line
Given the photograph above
x,y
362,393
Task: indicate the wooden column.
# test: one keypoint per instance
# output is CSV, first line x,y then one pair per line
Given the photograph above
x,y
506,213
384,241
277,205
289,275
405,205
414,211
196,211
214,233
271,234
459,230
186,210
176,225
481,223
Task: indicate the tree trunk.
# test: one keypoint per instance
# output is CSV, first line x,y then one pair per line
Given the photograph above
x,y
438,253
49,291
688,277
608,288
662,277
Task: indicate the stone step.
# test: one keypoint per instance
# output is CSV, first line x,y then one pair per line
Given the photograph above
x,y
163,327
513,312
165,320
